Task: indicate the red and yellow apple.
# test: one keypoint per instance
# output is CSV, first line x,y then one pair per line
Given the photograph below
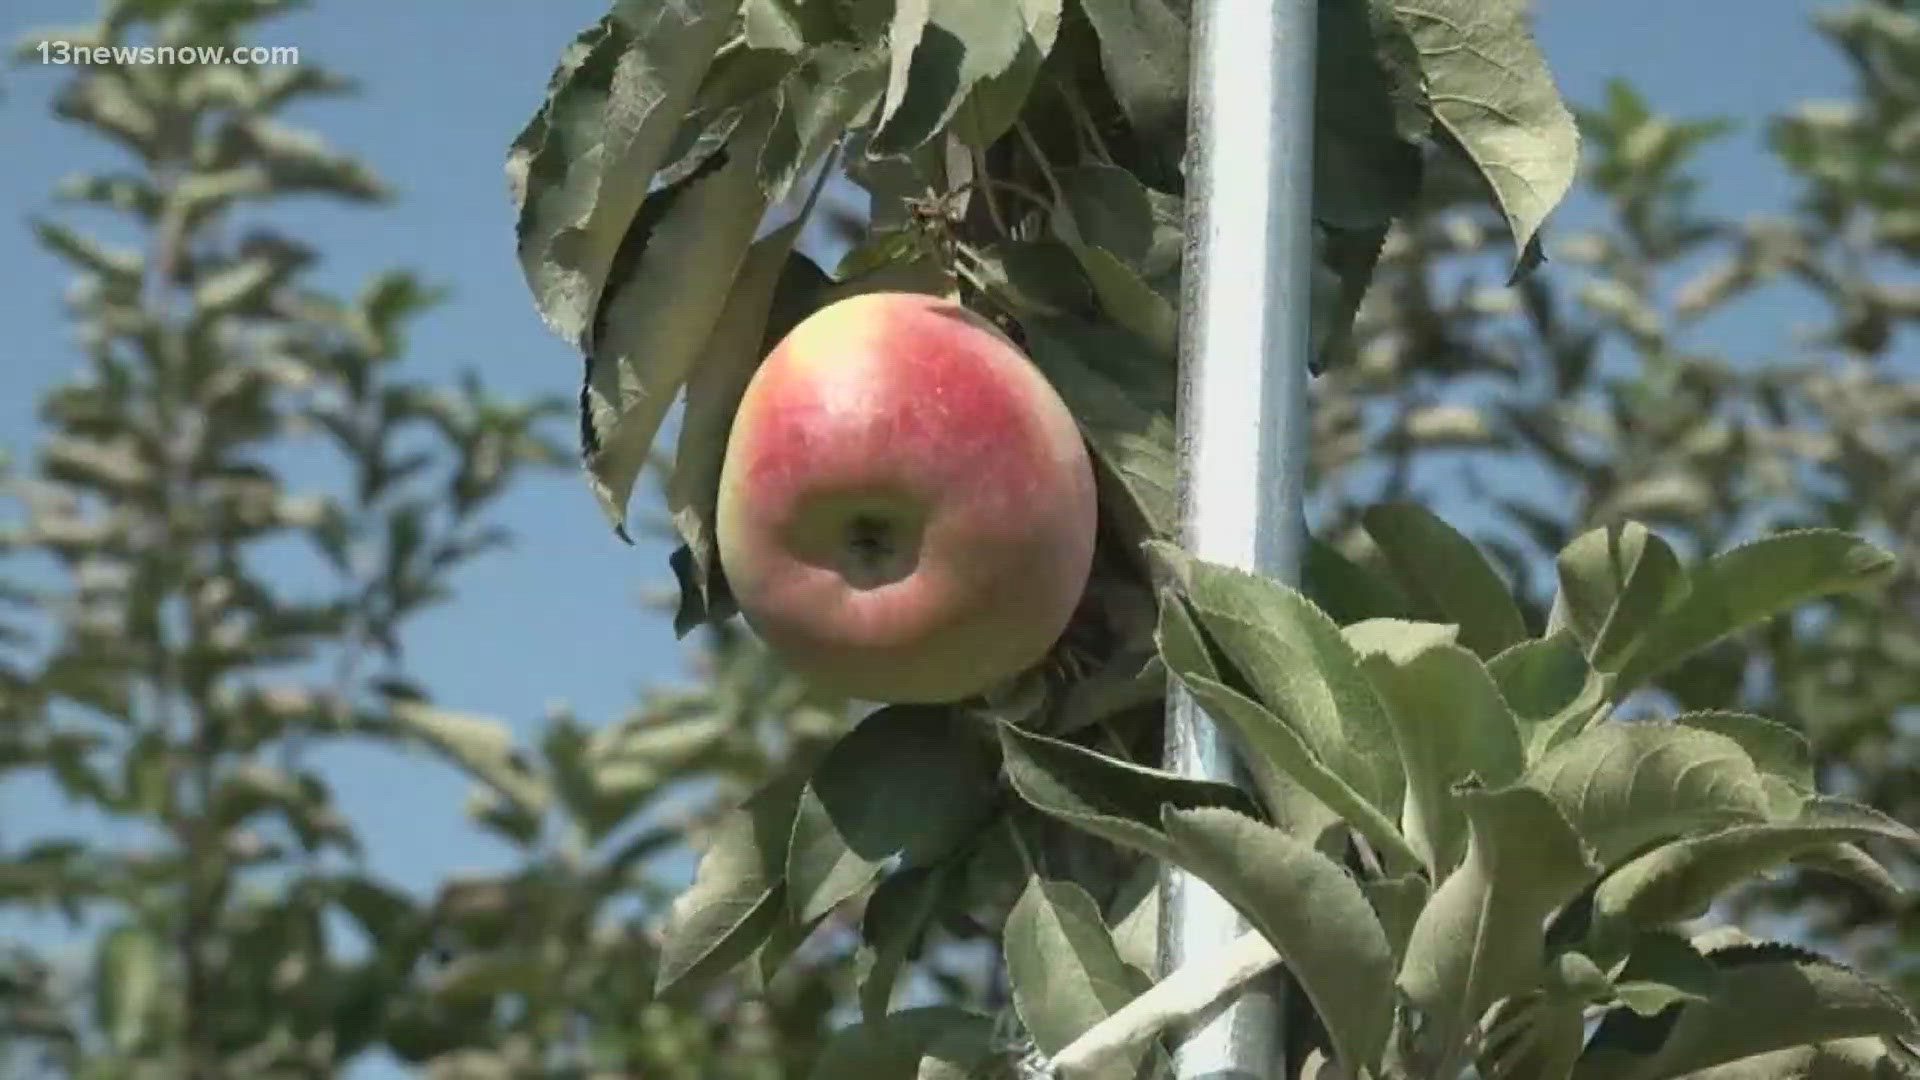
x,y
906,509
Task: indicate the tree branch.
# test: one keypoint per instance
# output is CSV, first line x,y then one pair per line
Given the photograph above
x,y
1178,997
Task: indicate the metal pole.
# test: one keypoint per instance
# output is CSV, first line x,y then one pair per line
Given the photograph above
x,y
1244,339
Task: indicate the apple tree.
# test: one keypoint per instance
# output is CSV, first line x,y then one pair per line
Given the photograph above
x,y
192,631
1716,372
1473,848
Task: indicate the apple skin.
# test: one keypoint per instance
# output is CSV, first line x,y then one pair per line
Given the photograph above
x,y
907,510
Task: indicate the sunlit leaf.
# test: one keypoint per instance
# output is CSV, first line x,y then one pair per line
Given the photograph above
x,y
1313,912
1480,937
1490,90
582,165
1064,969
909,782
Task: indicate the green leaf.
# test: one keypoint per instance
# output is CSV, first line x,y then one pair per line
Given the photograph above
x,y
1143,49
1135,916
1064,969
833,87
1300,667
147,773
897,186
1364,172
740,79
1747,584
1551,688
1398,901
1311,910
127,987
241,284
738,892
624,764
480,746
908,781
582,165
1679,880
1573,975
1123,400
1451,725
1108,219
787,26
705,599
1446,577
1037,279
385,914
995,872
475,979
1775,748
1345,590
300,799
114,105
1278,759
1343,265
1663,969
1183,649
1109,798
1107,202
879,249
771,283
1851,864
995,102
779,944
1768,998
1542,1046
933,1043
1481,937
1490,90
1863,1058
1540,676
116,267
1398,640
1593,571
891,929
940,50
1626,785
666,292
296,160
1654,581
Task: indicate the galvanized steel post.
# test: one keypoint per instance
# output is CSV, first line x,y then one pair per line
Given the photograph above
x,y
1242,415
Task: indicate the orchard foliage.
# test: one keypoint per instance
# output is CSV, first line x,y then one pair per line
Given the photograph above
x,y
1023,155
1468,839
204,622
1714,376
173,676
1559,723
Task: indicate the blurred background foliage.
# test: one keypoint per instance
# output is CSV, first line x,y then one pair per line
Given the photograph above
x,y
170,678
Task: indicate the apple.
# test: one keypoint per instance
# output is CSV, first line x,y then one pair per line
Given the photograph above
x,y
907,509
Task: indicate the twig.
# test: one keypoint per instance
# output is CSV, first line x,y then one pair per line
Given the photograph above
x,y
1183,994
986,193
1084,119
1040,159
973,277
1113,736
1020,845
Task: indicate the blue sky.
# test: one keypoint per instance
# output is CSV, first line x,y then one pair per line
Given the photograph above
x,y
446,84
